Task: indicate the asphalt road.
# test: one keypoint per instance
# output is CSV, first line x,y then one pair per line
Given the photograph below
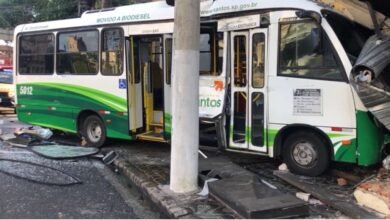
x,y
102,194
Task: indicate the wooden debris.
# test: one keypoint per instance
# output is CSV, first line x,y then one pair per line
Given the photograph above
x,y
348,176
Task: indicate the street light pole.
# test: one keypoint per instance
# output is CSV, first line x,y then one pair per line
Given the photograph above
x,y
185,94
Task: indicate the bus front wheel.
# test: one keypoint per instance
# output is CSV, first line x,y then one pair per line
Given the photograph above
x,y
94,131
305,154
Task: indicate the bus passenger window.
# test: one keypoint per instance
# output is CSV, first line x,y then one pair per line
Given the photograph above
x,y
36,54
240,61
205,54
168,57
305,51
77,52
211,53
112,52
258,58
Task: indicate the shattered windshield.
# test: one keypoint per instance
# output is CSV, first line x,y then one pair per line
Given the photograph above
x,y
6,76
352,35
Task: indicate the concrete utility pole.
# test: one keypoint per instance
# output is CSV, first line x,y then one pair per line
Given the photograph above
x,y
185,95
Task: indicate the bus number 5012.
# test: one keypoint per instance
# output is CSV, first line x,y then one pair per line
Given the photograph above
x,y
26,90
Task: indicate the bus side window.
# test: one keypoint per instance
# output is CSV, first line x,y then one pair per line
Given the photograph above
x,y
258,58
112,52
78,52
240,52
36,54
168,57
305,51
211,53
205,54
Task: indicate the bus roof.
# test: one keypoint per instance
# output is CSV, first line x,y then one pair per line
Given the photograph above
x,y
155,11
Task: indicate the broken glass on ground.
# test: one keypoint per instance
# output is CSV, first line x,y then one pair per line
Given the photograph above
x,y
6,137
37,140
24,140
36,173
26,136
58,151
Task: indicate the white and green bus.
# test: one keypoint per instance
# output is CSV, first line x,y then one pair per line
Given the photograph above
x,y
274,79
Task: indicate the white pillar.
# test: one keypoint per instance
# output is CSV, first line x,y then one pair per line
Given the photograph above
x,y
185,95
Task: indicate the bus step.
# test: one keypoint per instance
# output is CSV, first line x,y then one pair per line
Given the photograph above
x,y
156,125
152,136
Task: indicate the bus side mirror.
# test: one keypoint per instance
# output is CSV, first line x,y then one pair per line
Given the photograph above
x,y
309,14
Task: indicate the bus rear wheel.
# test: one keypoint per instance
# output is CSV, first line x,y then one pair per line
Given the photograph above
x,y
306,154
94,131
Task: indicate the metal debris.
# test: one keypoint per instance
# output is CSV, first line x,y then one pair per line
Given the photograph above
x,y
110,157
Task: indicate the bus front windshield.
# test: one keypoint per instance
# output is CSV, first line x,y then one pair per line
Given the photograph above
x,y
352,35
6,77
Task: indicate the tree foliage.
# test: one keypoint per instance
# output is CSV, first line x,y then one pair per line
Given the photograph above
x,y
15,12
45,10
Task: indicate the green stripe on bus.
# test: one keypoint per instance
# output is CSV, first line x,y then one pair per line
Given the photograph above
x,y
57,105
107,99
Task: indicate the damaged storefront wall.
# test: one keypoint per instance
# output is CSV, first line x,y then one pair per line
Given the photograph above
x,y
371,71
372,78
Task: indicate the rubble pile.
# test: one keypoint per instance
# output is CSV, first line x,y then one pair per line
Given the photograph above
x,y
375,193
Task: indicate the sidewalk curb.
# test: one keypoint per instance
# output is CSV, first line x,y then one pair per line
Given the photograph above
x,y
163,201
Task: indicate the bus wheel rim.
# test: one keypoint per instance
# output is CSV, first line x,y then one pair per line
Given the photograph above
x,y
304,154
94,132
